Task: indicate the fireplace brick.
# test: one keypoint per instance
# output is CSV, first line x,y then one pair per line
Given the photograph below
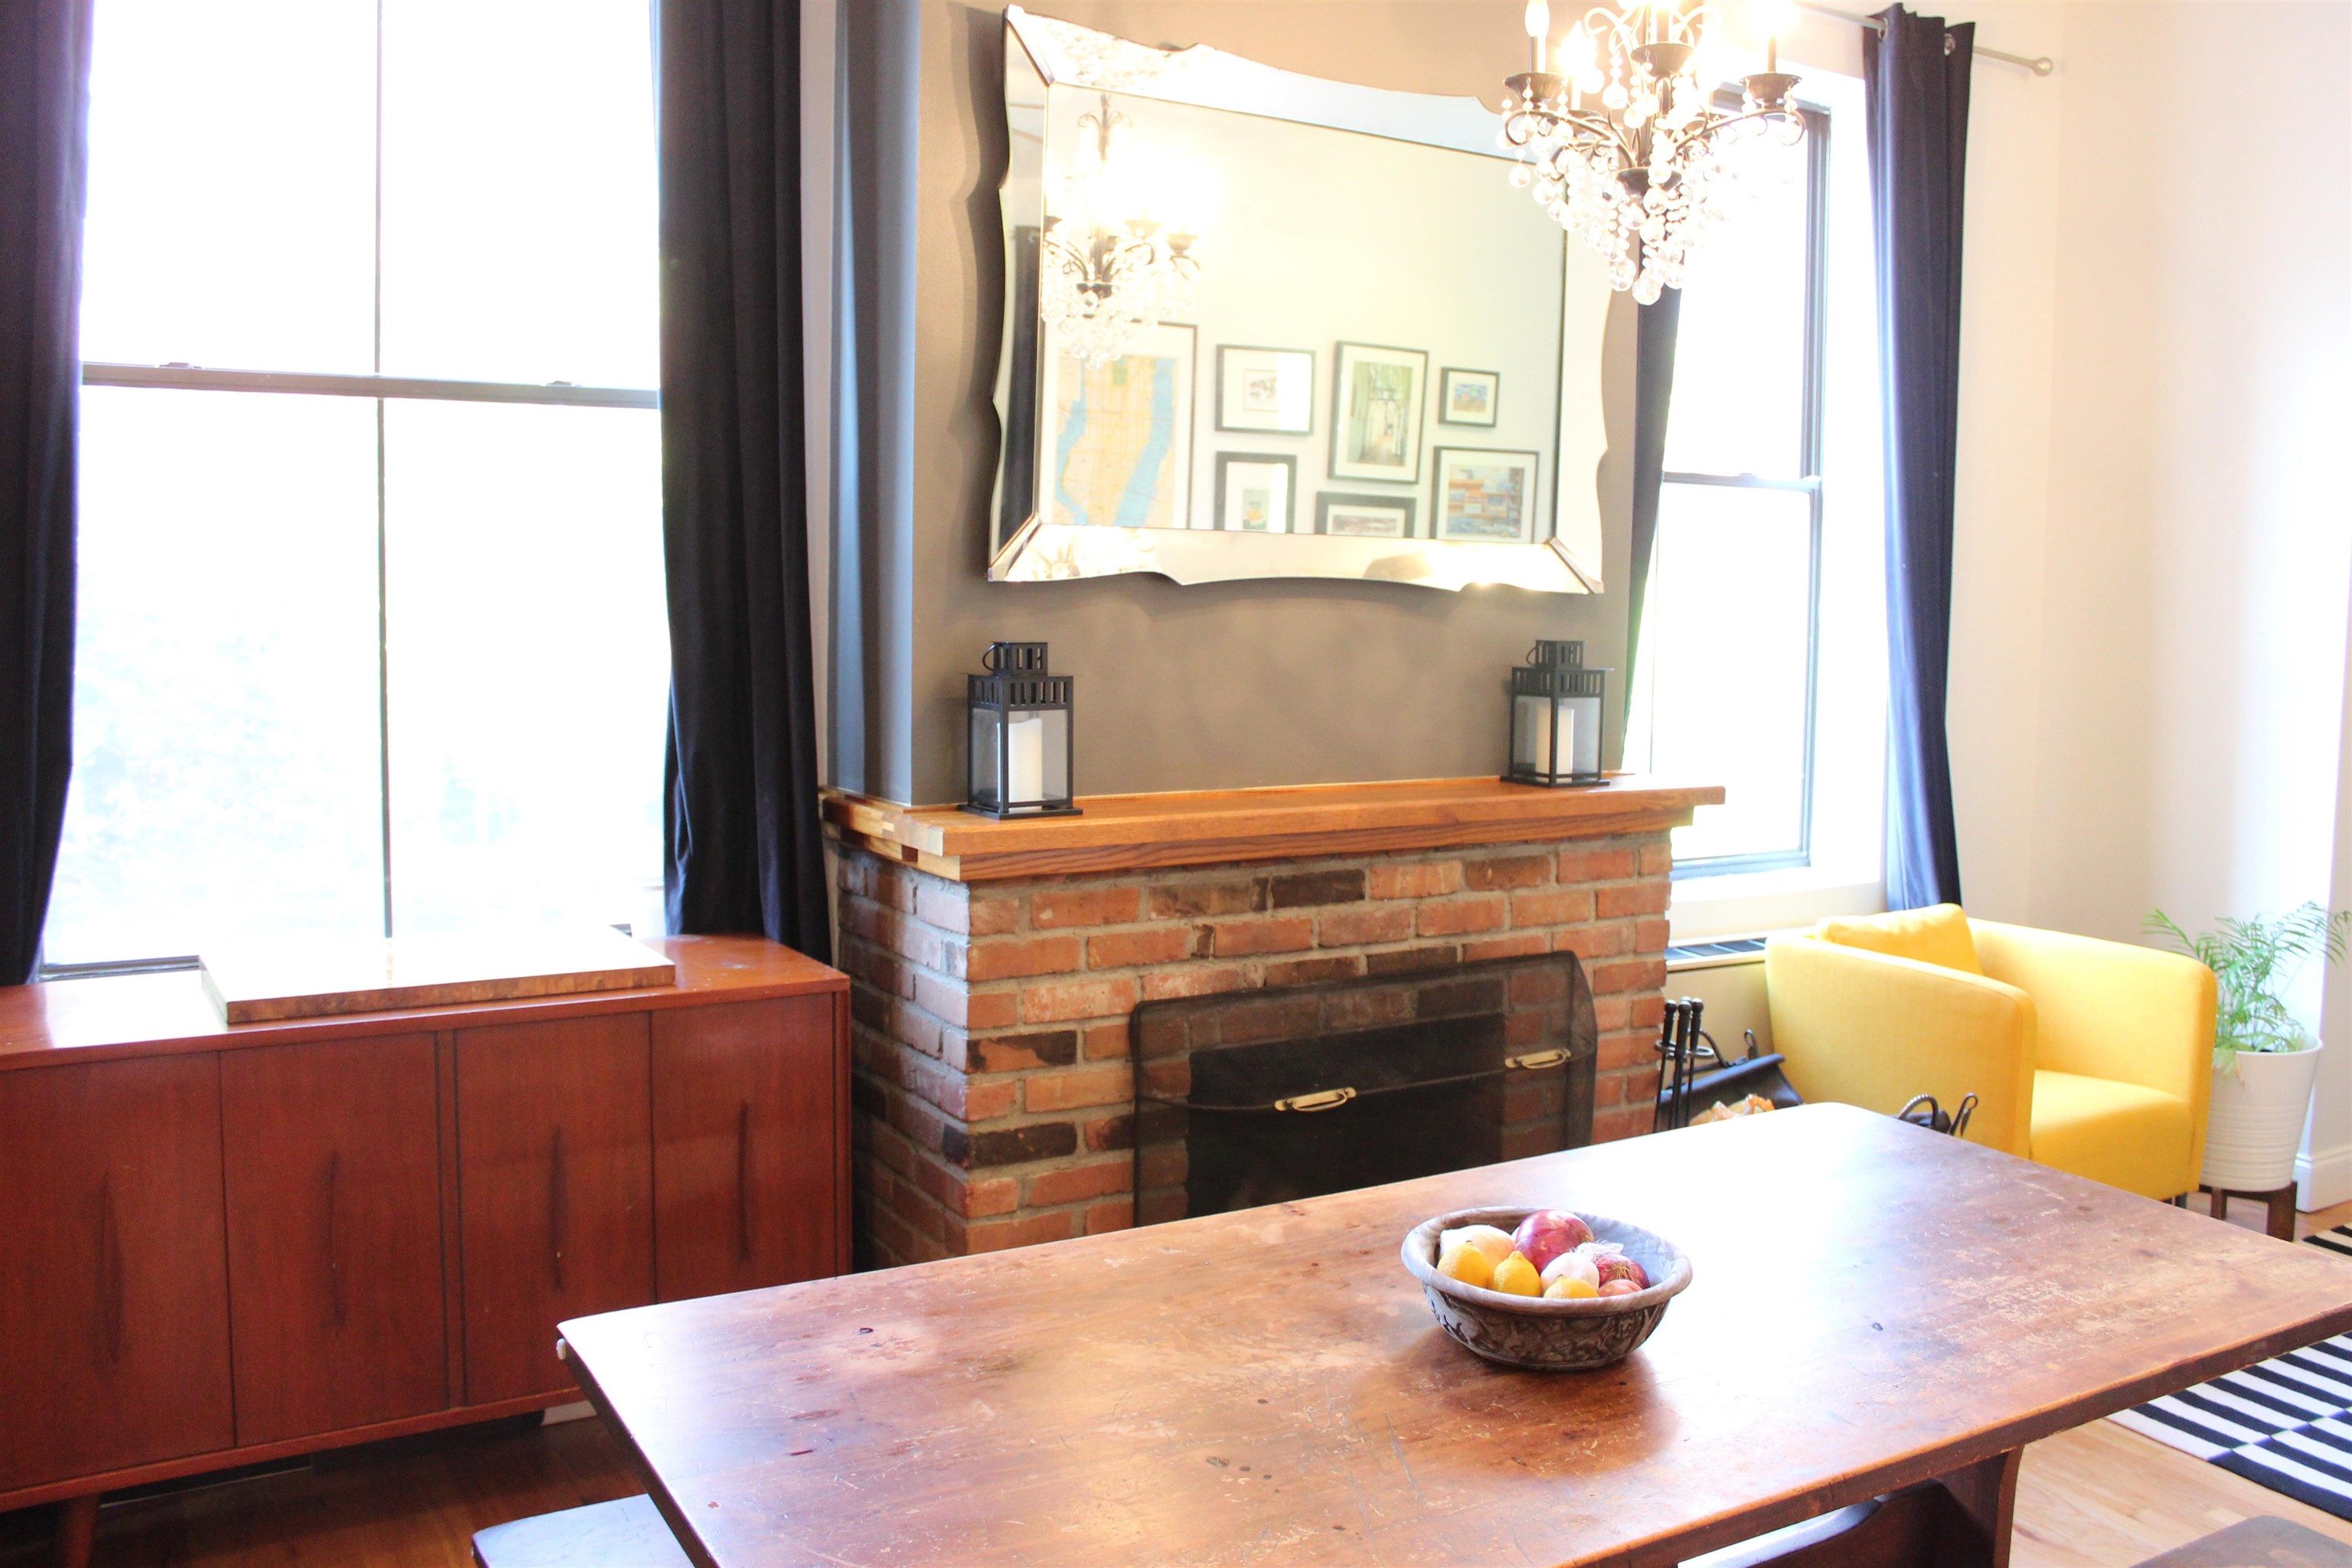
x,y
1014,957
1010,1053
1076,1184
1085,907
1243,938
1051,1004
1641,899
991,1030
1194,982
1316,888
1506,871
1364,927
1191,901
1565,906
1415,880
1137,949
1456,916
1311,971
1075,1090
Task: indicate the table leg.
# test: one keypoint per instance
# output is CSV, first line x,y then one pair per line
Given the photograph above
x,y
77,1530
1958,1521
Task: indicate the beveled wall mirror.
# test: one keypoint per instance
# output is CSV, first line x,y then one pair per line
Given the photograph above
x,y
1259,324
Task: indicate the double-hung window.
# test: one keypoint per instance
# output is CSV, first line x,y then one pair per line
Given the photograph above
x,y
371,634
1766,521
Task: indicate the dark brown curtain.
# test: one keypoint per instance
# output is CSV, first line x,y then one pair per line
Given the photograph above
x,y
1915,101
43,114
744,848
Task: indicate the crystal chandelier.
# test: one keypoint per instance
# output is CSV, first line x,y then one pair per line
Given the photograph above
x,y
1623,143
1111,266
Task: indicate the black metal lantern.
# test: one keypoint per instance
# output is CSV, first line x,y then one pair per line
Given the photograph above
x,y
1556,710
1020,735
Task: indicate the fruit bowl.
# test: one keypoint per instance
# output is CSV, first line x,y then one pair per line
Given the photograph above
x,y
1539,1334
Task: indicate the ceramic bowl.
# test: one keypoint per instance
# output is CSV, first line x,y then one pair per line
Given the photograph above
x,y
1543,1335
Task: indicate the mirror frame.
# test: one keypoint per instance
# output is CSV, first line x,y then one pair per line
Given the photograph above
x,y
1031,550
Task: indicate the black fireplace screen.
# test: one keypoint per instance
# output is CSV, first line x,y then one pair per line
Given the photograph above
x,y
1260,1097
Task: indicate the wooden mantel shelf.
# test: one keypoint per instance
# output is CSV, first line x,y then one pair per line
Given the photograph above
x,y
1123,832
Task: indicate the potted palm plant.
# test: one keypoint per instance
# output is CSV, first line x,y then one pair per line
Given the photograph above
x,y
2263,1059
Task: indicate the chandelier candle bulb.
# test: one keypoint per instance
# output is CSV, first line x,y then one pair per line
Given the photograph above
x,y
1538,21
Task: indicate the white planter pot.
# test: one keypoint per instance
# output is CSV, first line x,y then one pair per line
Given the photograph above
x,y
2256,1123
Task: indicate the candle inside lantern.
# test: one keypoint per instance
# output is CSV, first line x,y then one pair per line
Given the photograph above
x,y
1025,759
1535,751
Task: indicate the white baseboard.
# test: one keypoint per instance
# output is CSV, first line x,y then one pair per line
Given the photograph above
x,y
556,1414
2323,1178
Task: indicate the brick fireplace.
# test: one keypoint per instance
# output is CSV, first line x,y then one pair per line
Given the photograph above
x,y
994,966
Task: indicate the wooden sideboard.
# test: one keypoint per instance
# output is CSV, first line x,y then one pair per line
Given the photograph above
x,y
221,1245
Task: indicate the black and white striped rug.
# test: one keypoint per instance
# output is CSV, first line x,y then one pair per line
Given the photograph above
x,y
2286,1423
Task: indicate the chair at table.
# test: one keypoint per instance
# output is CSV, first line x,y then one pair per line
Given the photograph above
x,y
2092,1056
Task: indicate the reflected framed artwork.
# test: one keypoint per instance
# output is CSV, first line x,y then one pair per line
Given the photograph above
x,y
1483,497
1377,413
1468,397
1117,450
1254,492
1269,390
1364,517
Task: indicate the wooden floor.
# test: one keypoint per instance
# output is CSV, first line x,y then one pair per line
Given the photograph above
x,y
2098,1497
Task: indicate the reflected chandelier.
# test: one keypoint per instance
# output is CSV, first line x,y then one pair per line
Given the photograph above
x,y
1623,143
1110,267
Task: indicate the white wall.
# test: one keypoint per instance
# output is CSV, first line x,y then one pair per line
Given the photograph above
x,y
2154,551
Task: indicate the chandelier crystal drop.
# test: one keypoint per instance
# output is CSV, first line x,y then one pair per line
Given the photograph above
x,y
1113,265
1623,143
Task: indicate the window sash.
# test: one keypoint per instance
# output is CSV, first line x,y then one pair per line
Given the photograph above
x,y
1810,438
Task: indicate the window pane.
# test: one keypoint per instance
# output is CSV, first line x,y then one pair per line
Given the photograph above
x,y
519,190
226,748
1728,612
529,663
232,167
1740,354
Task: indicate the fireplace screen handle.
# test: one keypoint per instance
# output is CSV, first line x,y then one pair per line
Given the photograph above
x,y
1333,1098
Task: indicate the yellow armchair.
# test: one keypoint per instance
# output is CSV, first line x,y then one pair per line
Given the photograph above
x,y
2092,1056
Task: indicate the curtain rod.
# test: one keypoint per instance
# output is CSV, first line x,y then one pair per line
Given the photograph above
x,y
2040,65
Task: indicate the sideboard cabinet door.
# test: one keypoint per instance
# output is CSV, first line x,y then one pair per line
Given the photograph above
x,y
334,1234
114,1346
746,1172
555,1190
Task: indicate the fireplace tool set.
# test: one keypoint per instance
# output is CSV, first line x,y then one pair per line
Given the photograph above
x,y
1695,1073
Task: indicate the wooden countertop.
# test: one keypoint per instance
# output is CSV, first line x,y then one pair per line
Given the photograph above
x,y
1121,832
1873,1305
153,1014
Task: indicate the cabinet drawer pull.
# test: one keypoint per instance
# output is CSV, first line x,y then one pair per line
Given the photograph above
x,y
336,1308
559,1206
743,1182
109,1275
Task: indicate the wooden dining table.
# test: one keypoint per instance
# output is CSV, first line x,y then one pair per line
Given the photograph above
x,y
1880,1318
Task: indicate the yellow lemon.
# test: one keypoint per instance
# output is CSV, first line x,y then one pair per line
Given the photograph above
x,y
1569,1288
1515,1276
1494,1242
1467,1264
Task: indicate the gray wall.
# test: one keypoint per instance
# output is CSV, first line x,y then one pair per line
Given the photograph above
x,y
1177,688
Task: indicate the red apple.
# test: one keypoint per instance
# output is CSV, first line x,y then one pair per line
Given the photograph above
x,y
1546,1233
1616,1267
